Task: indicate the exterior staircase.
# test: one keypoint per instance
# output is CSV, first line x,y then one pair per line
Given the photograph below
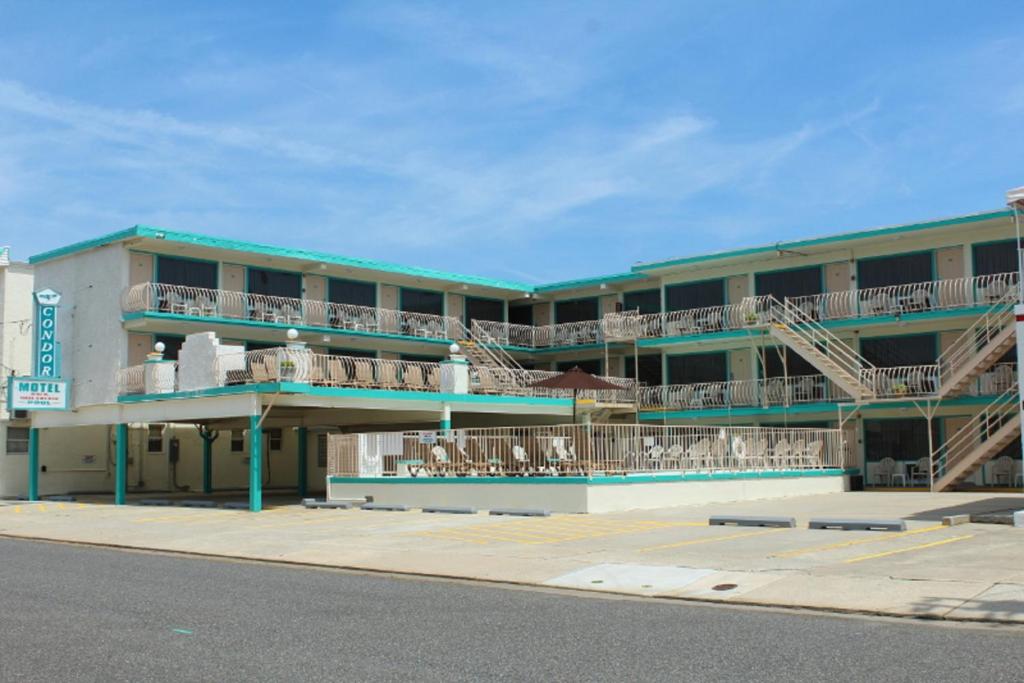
x,y
979,347
832,356
964,452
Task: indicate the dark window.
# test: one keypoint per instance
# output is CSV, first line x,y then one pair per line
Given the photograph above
x,y
901,269
1012,450
274,438
647,301
650,369
695,295
521,314
19,415
275,283
352,292
187,272
155,439
321,451
17,440
593,366
998,257
783,283
796,365
697,367
902,439
237,440
891,352
355,353
260,346
576,310
422,301
421,358
484,309
172,345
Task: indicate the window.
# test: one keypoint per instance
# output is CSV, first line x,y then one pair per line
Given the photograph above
x,y
155,439
484,309
650,369
422,301
237,440
172,345
17,440
352,292
783,283
420,358
593,365
187,272
694,295
19,415
521,314
697,367
577,310
647,301
901,439
275,283
891,352
321,451
796,365
901,269
260,346
997,257
274,437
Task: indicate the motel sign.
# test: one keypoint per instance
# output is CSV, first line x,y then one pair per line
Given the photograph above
x,y
47,361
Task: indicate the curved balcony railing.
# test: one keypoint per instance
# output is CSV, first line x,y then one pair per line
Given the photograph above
x,y
131,380
907,381
773,391
219,303
542,336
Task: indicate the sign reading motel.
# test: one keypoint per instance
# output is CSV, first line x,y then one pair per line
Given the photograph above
x,y
32,393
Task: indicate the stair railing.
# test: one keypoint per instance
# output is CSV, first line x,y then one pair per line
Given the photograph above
x,y
965,347
966,439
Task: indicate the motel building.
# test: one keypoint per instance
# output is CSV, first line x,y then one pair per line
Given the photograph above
x,y
193,365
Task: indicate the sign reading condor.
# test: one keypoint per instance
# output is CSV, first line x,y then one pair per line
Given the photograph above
x,y
34,393
47,357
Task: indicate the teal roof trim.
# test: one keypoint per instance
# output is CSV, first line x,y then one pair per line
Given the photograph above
x,y
589,282
280,252
842,237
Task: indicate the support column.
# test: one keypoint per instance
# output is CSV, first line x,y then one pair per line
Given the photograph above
x,y
33,464
207,466
446,418
303,436
120,464
255,464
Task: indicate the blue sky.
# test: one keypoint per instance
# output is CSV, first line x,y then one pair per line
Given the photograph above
x,y
536,141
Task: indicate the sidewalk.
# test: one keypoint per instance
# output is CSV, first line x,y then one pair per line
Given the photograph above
x,y
965,572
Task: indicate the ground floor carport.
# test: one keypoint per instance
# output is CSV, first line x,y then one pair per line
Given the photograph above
x,y
256,410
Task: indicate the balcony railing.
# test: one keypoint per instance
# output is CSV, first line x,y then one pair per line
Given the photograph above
x,y
773,391
906,381
219,303
542,336
592,450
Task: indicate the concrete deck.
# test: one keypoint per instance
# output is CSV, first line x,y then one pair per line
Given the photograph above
x,y
965,572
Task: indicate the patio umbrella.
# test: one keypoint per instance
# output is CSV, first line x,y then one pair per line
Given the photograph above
x,y
576,379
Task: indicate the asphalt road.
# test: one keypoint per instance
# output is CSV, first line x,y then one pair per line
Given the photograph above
x,y
72,613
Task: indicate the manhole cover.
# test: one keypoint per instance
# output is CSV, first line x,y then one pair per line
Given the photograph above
x,y
724,587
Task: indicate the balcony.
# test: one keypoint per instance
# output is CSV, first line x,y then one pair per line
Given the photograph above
x,y
197,302
539,336
895,300
302,366
906,382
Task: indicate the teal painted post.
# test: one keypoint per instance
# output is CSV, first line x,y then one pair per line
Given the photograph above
x,y
207,465
121,464
33,464
255,464
302,460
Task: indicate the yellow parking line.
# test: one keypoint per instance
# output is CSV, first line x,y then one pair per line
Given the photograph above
x,y
907,550
17,509
859,541
61,506
698,541
41,507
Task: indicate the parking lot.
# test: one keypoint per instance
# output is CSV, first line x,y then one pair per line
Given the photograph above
x,y
970,571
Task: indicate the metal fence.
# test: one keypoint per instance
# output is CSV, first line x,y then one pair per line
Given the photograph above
x,y
585,450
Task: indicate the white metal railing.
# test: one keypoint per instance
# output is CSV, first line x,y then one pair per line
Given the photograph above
x,y
995,380
542,336
963,443
584,450
772,391
490,351
219,303
902,381
131,380
965,348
